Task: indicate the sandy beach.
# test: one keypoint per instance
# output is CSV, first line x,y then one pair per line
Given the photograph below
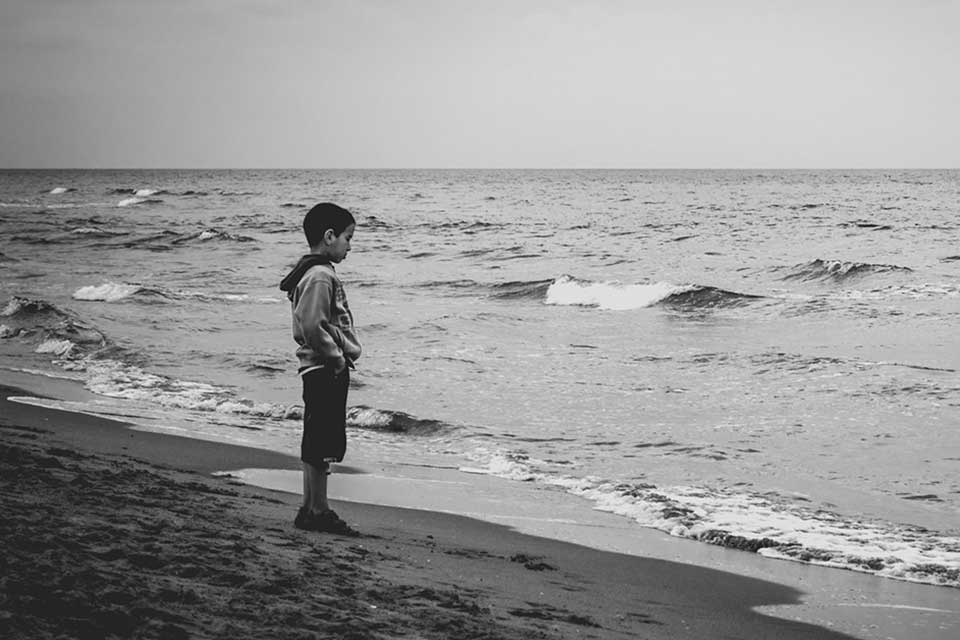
x,y
111,532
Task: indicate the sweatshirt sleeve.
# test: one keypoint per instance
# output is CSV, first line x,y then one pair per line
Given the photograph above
x,y
312,309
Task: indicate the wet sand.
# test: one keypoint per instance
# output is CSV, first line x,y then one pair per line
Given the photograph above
x,y
113,532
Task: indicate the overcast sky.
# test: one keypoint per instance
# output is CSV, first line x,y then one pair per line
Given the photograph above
x,y
475,83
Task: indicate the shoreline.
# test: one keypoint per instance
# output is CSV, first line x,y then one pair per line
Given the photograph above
x,y
475,542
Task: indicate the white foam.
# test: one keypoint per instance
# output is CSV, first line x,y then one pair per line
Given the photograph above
x,y
126,202
224,297
12,307
58,190
370,418
145,193
119,380
57,347
506,465
107,292
609,295
792,531
97,231
7,332
114,291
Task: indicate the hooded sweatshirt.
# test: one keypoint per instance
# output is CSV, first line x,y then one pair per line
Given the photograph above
x,y
322,322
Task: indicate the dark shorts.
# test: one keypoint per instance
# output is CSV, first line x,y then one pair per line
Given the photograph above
x,y
324,416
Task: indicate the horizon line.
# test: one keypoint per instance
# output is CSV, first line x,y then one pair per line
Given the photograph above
x,y
479,168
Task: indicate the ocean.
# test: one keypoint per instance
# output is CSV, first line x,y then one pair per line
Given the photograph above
x,y
765,360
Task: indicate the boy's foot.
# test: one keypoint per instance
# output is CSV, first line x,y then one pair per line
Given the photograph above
x,y
329,522
324,522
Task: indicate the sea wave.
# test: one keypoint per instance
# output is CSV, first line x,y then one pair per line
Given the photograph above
x,y
137,200
141,193
168,240
522,290
466,226
363,417
51,327
610,295
106,370
703,297
57,347
767,524
109,292
98,232
838,270
117,379
114,292
206,235
215,234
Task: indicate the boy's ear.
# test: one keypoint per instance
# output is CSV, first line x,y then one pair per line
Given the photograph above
x,y
329,236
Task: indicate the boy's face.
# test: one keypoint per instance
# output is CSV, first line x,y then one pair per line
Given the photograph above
x,y
339,246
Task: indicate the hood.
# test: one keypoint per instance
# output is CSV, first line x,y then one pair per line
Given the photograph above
x,y
292,279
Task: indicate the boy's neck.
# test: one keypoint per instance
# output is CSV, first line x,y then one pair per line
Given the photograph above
x,y
320,252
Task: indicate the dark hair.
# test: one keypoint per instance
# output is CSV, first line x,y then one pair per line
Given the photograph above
x,y
323,216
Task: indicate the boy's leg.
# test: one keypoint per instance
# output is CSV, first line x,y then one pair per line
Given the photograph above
x,y
307,486
315,487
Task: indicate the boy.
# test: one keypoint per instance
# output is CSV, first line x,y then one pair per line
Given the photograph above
x,y
323,327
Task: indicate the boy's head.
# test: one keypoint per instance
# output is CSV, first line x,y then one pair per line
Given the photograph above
x,y
328,228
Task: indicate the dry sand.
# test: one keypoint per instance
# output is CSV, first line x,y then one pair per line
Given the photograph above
x,y
111,532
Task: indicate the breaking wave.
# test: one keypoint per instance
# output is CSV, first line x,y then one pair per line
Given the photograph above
x,y
363,417
136,200
141,193
567,290
114,292
53,330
